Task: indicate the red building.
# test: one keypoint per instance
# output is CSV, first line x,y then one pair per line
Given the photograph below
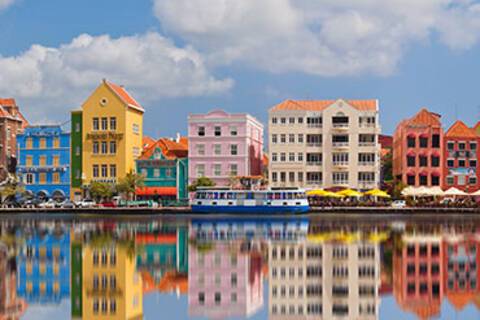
x,y
461,262
461,154
417,150
418,280
12,122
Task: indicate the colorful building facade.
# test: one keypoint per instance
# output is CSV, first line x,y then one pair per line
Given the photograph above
x,y
12,122
461,168
164,165
324,144
106,137
11,306
43,263
43,154
417,150
223,145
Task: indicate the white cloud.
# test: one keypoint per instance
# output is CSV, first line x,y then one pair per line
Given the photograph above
x,y
149,65
5,3
329,37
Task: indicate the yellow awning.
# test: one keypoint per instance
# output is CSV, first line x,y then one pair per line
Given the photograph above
x,y
350,193
377,193
323,193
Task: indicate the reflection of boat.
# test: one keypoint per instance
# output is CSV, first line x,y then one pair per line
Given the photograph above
x,y
246,201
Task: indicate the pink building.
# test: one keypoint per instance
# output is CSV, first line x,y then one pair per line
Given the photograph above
x,y
223,145
224,282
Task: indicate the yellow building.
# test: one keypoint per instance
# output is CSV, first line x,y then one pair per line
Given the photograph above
x,y
111,286
106,137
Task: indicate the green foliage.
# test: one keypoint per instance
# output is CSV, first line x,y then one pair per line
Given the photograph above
x,y
101,190
397,189
11,189
201,182
128,184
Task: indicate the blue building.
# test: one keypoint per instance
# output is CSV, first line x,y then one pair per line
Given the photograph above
x,y
43,265
43,154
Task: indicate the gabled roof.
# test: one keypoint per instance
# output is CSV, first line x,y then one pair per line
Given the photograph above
x,y
461,130
320,105
123,94
147,142
8,102
477,127
425,118
460,300
14,113
170,149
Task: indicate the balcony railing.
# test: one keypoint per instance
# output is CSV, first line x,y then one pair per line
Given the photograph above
x,y
340,125
367,125
340,182
340,144
314,144
314,182
314,125
367,144
340,163
314,163
366,163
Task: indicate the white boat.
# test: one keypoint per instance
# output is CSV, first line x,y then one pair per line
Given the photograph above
x,y
248,201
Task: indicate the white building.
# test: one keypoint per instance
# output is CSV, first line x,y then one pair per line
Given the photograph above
x,y
324,144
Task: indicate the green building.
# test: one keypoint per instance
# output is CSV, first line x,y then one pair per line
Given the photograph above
x,y
164,165
76,155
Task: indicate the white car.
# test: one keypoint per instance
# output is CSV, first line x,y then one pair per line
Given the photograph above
x,y
86,203
399,204
50,204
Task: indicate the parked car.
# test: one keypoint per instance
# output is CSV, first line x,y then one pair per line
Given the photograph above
x,y
399,204
32,203
86,203
11,203
50,204
67,204
108,204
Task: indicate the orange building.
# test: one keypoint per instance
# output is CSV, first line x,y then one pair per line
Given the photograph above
x,y
461,153
417,150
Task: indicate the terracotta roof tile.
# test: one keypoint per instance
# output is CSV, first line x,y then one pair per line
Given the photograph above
x,y
460,299
125,96
8,102
170,149
320,105
147,141
461,130
425,118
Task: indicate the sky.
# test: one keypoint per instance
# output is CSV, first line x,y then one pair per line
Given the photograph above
x,y
186,56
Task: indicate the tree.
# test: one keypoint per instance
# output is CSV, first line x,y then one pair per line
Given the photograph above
x,y
101,190
128,184
201,182
11,189
397,189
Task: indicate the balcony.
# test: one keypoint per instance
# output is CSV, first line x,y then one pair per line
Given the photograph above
x,y
340,164
314,163
367,144
341,126
367,184
314,125
340,145
115,292
314,144
366,163
340,183
314,182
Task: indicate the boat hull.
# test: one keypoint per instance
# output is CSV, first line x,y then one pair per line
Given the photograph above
x,y
249,209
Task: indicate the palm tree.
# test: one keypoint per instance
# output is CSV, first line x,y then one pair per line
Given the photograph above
x,y
130,183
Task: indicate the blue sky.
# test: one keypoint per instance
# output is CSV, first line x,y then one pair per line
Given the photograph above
x,y
183,56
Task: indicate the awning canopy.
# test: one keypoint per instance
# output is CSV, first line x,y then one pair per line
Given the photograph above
x,y
156,191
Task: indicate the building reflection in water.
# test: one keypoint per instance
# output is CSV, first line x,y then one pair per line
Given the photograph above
x,y
325,275
225,269
105,281
11,306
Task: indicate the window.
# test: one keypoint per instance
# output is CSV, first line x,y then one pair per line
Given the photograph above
x,y
113,123
423,161
274,177
300,157
283,157
472,180
113,171
29,178
435,180
217,131
56,177
104,124
411,161
95,170
300,138
96,305
450,163
461,163
283,138
217,149
291,120
274,120
233,149
435,161
423,180
461,146
42,176
274,139
29,143
300,120
113,261
291,176
29,161
217,169
291,157
200,149
291,138
113,147
436,141
473,146
218,298
104,306
411,142
340,177
56,160
283,176
43,161
104,171
113,306
233,169
423,142
300,176
43,143
104,147
274,157
473,163
156,172
95,147
136,129
201,131
200,170
56,142
450,145
450,180
411,180
233,131
95,124
283,120
461,180
77,127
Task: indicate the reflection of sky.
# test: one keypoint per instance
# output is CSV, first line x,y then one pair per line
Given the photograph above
x,y
48,311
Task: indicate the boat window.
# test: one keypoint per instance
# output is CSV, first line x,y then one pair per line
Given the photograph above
x,y
277,195
269,196
241,195
223,195
289,195
259,196
230,195
250,195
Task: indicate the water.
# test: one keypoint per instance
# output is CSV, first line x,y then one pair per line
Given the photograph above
x,y
325,267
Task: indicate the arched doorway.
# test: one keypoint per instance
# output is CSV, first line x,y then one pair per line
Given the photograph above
x,y
43,195
58,195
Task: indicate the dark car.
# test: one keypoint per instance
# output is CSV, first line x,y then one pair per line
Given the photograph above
x,y
67,204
